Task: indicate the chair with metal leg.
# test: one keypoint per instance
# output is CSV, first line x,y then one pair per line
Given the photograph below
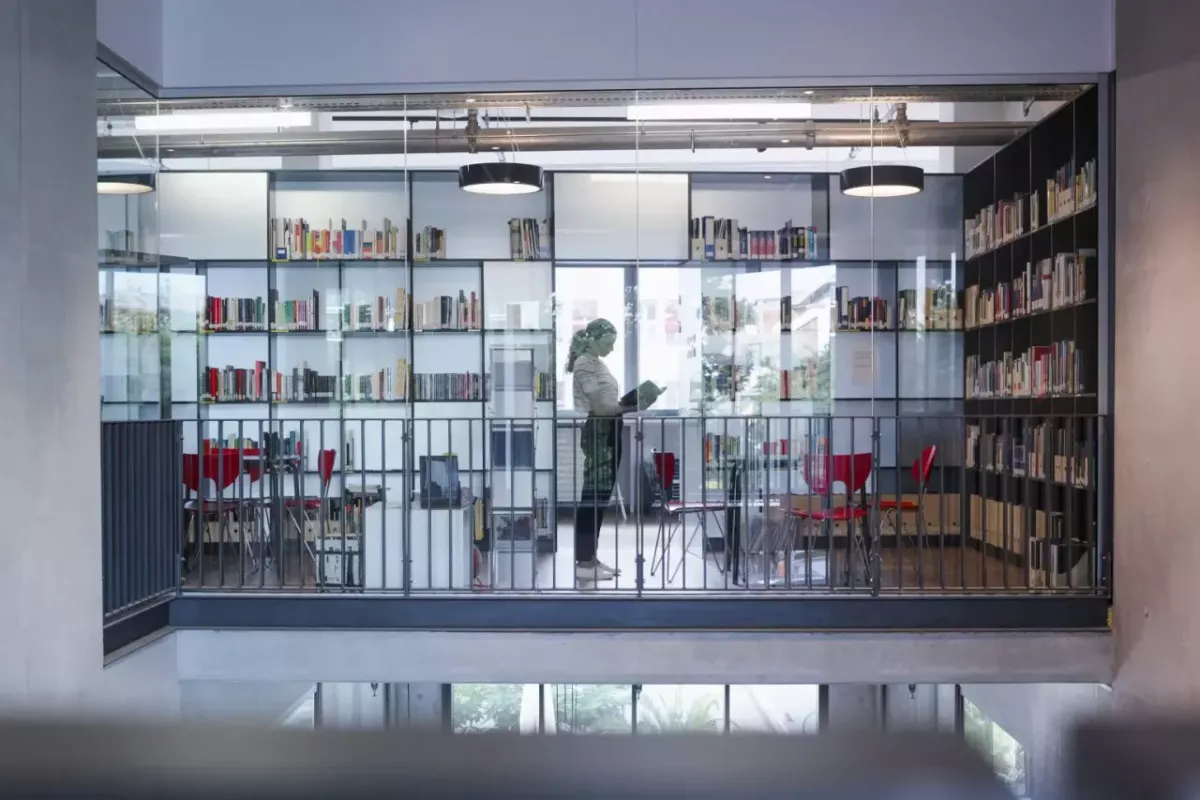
x,y
823,473
895,508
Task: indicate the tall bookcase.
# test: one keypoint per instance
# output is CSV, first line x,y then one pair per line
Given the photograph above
x,y
1033,299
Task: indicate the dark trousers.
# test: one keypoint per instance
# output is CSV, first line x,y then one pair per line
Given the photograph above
x,y
601,444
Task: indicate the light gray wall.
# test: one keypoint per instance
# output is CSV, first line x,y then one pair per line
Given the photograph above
x,y
356,656
50,592
1157,431
133,29
417,44
1041,717
240,702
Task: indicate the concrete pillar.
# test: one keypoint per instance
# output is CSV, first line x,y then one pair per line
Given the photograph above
x,y
1157,426
50,575
854,707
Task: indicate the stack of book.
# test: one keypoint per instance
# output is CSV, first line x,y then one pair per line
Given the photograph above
x,y
1041,371
294,239
429,243
720,239
996,225
378,314
235,384
388,384
1070,190
801,381
987,306
303,385
449,386
296,315
860,313
525,239
235,314
543,386
720,446
934,308
447,313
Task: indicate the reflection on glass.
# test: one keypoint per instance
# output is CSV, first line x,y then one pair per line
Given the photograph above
x,y
583,294
774,709
591,708
681,709
1006,754
488,708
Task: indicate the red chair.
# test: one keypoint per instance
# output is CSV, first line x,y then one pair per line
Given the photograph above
x,y
823,473
223,470
672,512
894,508
313,508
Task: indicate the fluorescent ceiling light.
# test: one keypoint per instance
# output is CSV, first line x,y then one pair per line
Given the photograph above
x,y
124,184
224,120
691,111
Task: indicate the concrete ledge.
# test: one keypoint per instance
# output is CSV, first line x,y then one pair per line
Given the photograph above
x,y
658,657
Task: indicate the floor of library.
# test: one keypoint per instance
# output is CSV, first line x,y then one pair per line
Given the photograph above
x,y
943,568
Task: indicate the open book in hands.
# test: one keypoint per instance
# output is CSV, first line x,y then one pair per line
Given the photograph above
x,y
643,396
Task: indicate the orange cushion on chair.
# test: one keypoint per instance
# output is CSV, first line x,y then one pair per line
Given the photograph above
x,y
902,505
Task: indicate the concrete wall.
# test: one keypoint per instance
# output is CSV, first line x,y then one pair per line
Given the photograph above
x,y
478,43
133,29
50,593
1041,717
1157,549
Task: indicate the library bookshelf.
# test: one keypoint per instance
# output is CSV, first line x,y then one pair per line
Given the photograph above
x,y
1034,302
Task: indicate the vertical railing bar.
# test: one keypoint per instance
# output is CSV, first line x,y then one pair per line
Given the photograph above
x,y
1006,476
898,514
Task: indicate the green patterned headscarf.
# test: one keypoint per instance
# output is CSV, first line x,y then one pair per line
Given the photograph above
x,y
583,339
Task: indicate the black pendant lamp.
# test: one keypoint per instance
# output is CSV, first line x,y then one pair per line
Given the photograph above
x,y
125,184
883,180
500,177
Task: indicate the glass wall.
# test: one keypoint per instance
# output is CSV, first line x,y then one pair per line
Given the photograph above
x,y
132,290
640,709
785,280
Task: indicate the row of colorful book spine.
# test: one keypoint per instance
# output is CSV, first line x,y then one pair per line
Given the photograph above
x,y
858,313
259,384
997,224
295,239
1060,282
449,386
932,308
1024,453
720,239
525,239
1041,371
383,385
449,312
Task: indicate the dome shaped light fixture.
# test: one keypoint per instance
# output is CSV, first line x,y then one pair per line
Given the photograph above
x,y
124,184
882,180
500,177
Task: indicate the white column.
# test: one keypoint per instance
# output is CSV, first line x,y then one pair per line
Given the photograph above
x,y
50,595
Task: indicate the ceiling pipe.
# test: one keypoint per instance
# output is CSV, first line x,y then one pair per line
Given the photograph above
x,y
611,137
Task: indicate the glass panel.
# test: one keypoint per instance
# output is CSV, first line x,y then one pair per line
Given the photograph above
x,y
491,708
774,709
591,708
681,709
584,294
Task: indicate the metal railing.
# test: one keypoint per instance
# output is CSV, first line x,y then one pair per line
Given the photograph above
x,y
141,496
935,503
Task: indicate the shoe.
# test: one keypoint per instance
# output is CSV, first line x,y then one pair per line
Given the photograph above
x,y
593,571
606,568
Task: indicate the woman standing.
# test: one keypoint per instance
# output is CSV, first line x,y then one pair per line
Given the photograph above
x,y
597,395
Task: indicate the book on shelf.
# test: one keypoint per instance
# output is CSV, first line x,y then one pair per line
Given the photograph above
x,y
860,313
1051,283
429,243
295,239
525,239
296,315
802,381
1041,371
448,313
449,386
128,303
258,383
386,384
720,239
933,308
235,314
1024,451
381,313
1070,190
543,386
723,315
997,224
